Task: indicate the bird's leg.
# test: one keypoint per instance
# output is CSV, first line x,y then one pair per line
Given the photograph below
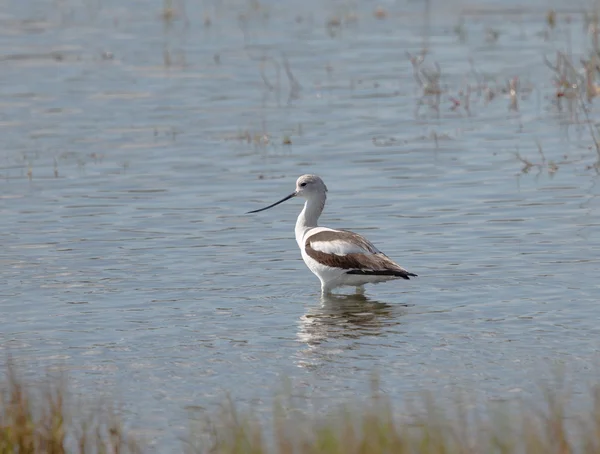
x,y
325,289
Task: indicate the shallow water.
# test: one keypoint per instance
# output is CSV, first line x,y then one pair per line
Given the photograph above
x,y
133,145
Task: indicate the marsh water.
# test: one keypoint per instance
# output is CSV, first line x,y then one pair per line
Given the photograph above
x,y
135,138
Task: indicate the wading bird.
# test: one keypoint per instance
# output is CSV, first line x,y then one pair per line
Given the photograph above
x,y
337,257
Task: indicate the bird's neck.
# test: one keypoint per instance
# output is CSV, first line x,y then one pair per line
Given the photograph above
x,y
308,217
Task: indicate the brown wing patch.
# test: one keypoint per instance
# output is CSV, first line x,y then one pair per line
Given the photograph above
x,y
374,263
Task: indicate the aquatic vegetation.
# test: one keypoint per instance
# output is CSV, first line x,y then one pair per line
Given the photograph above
x,y
45,417
375,428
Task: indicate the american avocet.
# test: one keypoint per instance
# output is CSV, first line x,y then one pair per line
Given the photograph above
x,y
336,257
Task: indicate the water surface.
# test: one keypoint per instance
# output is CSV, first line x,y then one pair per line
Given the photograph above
x,y
134,143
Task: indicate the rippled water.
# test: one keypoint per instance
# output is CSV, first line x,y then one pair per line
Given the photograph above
x,y
133,145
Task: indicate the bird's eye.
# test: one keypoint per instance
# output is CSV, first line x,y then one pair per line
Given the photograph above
x,y
302,184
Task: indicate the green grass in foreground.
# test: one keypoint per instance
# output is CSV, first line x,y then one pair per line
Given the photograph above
x,y
44,419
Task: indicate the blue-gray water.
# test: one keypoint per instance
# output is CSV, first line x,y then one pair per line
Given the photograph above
x,y
132,146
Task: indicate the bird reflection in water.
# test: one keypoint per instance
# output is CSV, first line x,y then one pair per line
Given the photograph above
x,y
339,321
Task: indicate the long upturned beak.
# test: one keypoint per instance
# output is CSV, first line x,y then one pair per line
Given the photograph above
x,y
293,194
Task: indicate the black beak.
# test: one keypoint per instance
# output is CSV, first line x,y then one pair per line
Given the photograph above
x,y
293,194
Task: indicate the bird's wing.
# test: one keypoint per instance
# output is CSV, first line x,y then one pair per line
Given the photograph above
x,y
352,252
341,242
